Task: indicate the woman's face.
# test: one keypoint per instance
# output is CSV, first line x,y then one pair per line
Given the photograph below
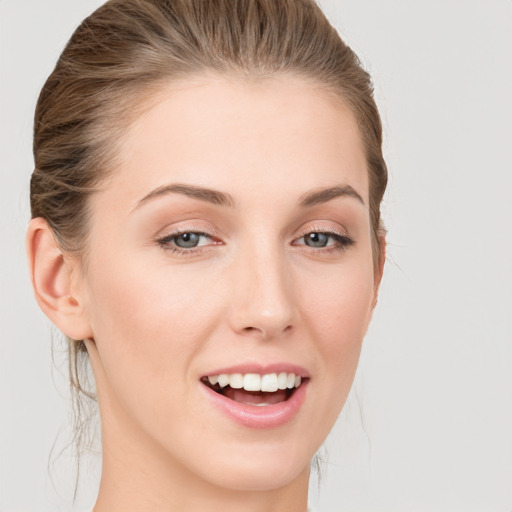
x,y
233,241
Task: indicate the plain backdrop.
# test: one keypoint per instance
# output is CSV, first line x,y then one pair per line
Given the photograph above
x,y
428,424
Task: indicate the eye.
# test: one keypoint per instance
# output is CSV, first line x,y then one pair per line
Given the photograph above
x,y
325,239
316,239
184,240
189,240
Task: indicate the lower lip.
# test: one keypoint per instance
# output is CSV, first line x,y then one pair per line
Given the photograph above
x,y
252,416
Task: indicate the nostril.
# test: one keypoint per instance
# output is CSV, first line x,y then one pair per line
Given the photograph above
x,y
267,333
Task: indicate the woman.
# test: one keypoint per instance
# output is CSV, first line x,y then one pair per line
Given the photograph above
x,y
206,230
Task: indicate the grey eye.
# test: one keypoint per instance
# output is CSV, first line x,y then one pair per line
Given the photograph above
x,y
187,240
317,239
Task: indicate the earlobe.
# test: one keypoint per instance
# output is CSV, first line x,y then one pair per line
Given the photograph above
x,y
51,277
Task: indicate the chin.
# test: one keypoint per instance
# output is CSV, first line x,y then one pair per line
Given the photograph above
x,y
263,476
249,465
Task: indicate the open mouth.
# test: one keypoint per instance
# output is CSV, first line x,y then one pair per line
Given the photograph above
x,y
255,389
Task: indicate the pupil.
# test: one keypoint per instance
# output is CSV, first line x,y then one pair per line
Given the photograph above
x,y
316,239
187,240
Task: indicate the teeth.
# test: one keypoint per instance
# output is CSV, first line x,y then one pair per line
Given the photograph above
x,y
236,381
223,380
270,382
282,378
252,382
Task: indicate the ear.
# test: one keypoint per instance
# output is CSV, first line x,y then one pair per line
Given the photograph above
x,y
54,280
379,268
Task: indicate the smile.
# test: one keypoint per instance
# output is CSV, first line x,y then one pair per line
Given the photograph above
x,y
258,398
253,388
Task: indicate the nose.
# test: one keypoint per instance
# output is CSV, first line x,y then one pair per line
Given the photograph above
x,y
263,299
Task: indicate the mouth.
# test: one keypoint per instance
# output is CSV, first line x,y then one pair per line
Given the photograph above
x,y
255,389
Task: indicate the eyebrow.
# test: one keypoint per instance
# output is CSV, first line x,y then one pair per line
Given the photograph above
x,y
218,198
203,194
326,194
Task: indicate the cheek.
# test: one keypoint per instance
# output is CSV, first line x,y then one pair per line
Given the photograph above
x,y
148,323
338,314
137,299
342,305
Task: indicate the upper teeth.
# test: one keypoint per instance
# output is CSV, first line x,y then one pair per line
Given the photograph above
x,y
255,382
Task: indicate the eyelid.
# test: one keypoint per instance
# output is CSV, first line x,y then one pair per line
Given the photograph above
x,y
342,238
326,229
166,236
191,225
176,234
316,228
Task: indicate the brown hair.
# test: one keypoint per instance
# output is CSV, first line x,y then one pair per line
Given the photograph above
x,y
126,49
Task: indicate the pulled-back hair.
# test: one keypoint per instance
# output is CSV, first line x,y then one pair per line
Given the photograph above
x,y
127,49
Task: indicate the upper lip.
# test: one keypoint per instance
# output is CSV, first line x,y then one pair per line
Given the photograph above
x,y
261,369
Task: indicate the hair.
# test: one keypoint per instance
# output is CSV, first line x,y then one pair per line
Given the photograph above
x,y
127,49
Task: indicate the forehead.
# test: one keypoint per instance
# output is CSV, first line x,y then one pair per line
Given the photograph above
x,y
240,135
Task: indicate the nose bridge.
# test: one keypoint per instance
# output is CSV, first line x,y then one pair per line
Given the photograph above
x,y
263,303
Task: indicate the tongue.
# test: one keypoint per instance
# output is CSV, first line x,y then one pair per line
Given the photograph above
x,y
255,397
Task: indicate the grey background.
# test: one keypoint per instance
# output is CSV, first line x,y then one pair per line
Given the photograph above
x,y
428,424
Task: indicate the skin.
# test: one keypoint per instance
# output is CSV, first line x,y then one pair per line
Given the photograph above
x,y
254,291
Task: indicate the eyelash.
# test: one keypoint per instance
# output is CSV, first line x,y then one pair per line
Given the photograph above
x,y
167,240
343,242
